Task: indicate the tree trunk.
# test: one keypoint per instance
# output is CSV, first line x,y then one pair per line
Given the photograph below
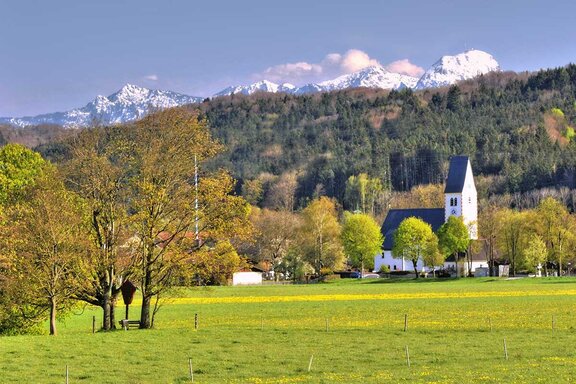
x,y
456,263
362,268
145,313
53,317
415,267
112,314
106,308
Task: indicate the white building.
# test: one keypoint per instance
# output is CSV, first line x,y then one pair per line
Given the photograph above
x,y
460,199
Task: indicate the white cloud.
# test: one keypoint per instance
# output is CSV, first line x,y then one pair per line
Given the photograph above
x,y
405,67
355,60
152,77
332,65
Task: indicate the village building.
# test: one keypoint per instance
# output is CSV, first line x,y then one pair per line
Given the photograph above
x,y
460,199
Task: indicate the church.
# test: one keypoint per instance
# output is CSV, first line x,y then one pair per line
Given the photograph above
x,y
460,199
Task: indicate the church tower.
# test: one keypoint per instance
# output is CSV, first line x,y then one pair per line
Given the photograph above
x,y
460,197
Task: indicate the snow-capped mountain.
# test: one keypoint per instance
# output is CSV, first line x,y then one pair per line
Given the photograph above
x,y
370,77
451,69
260,86
128,104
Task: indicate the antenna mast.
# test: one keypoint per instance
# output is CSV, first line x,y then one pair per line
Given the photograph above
x,y
196,234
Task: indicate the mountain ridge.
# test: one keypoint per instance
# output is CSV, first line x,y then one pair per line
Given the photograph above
x,y
132,102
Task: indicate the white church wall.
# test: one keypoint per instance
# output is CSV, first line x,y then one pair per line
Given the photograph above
x,y
395,264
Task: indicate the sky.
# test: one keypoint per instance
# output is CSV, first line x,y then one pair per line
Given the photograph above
x,y
57,55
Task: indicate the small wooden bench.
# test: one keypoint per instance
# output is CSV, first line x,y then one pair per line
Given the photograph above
x,y
127,324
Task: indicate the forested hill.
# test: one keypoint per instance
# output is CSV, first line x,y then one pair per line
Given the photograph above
x,y
516,128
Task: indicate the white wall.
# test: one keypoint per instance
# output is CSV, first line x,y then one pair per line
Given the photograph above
x,y
247,278
395,264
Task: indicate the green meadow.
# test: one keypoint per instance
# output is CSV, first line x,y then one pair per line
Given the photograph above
x,y
339,332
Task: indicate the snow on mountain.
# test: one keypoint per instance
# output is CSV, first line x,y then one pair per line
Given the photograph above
x,y
451,69
260,86
370,77
128,104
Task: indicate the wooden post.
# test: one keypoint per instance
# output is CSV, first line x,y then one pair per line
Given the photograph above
x,y
405,322
407,357
505,350
310,363
66,373
195,321
93,324
190,369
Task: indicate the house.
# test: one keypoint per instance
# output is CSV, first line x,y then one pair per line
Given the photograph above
x,y
460,199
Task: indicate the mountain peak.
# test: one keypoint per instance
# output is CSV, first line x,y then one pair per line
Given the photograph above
x,y
451,69
129,103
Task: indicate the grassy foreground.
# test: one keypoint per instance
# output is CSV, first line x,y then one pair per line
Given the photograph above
x,y
353,330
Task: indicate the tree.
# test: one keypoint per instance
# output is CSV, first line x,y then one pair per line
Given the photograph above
x,y
19,168
412,240
513,235
453,237
166,147
489,229
275,234
97,170
431,256
362,239
320,235
555,226
535,252
46,241
162,214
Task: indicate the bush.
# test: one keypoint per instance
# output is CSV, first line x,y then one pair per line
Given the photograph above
x,y
384,269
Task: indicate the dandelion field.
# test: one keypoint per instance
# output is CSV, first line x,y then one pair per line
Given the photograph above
x,y
353,331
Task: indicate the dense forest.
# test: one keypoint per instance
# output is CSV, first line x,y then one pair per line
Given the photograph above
x,y
515,127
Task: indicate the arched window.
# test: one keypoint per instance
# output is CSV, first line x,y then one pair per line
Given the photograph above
x,y
451,202
455,201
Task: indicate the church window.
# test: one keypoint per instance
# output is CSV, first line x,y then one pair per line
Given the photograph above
x,y
451,202
455,201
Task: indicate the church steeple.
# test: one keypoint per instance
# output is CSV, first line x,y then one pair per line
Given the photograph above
x,y
460,197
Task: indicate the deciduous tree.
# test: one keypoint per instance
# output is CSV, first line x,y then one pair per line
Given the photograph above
x,y
362,239
453,237
320,235
412,240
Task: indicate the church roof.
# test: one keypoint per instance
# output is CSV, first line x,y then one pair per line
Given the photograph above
x,y
456,174
432,216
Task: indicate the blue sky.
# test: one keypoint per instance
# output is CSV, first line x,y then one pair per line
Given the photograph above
x,y
59,54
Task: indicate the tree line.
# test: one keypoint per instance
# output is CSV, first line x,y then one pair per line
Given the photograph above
x,y
120,206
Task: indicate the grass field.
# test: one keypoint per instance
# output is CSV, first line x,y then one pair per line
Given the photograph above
x,y
353,329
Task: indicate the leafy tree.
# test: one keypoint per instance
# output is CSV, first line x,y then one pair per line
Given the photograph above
x,y
489,228
97,171
453,237
46,244
19,168
166,147
513,236
215,265
412,240
431,256
362,239
555,226
535,252
320,235
275,234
